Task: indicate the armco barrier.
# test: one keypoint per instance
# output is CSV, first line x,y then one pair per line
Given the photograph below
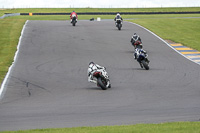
x,y
9,14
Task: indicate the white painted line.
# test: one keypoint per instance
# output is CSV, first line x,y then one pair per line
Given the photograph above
x,y
164,42
10,68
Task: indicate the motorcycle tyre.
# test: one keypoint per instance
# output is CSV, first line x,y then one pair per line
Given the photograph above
x,y
119,26
73,23
100,83
145,64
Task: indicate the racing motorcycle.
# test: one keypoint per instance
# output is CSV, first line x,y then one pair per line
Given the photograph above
x,y
118,23
102,79
74,21
141,57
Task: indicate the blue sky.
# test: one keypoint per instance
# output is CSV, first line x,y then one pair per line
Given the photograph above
x,y
97,3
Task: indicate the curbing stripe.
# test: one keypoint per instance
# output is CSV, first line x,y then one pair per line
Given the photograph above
x,y
179,47
197,56
176,44
185,48
189,53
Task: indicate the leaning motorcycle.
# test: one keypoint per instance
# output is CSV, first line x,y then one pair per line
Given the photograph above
x,y
119,24
74,21
102,79
142,58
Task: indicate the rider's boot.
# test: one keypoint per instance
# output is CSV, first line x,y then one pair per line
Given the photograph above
x,y
108,84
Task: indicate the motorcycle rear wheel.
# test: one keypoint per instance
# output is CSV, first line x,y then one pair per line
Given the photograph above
x,y
74,23
145,64
101,84
119,26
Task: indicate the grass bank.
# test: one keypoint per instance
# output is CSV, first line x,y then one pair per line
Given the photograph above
x,y
180,30
174,127
68,10
9,37
50,10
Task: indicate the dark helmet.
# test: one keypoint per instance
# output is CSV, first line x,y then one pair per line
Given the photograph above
x,y
91,63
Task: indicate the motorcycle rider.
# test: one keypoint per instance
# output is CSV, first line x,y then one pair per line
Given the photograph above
x,y
136,40
93,68
137,53
118,17
73,14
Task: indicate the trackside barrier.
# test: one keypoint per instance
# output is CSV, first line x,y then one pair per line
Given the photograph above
x,y
9,14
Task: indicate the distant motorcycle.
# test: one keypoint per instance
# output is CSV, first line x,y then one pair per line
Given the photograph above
x,y
74,21
102,79
119,24
141,57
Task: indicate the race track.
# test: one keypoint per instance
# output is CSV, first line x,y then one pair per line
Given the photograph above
x,y
48,88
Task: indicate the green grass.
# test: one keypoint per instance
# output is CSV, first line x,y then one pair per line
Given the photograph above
x,y
87,17
172,127
180,30
9,36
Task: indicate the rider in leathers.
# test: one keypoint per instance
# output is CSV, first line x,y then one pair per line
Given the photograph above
x,y
118,17
93,68
73,14
136,38
138,52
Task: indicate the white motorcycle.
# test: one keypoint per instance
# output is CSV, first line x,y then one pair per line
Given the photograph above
x,y
102,79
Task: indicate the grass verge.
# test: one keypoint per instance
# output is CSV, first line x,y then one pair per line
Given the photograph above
x,y
9,37
180,30
68,10
173,127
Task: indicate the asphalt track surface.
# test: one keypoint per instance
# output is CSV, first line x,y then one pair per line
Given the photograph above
x,y
48,88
